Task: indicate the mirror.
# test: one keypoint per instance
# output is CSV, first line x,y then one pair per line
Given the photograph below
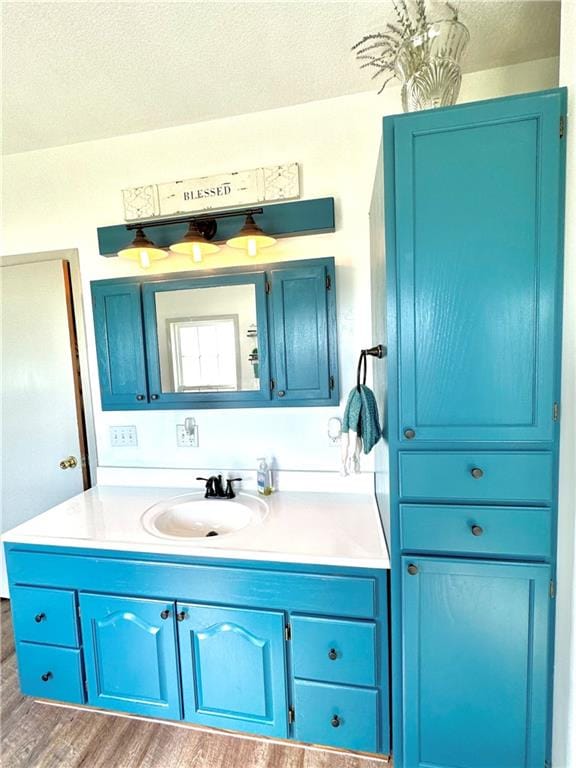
x,y
207,339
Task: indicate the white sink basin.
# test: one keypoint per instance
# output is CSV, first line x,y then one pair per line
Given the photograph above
x,y
191,516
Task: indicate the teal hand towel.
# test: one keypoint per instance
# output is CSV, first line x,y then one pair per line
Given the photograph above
x,y
361,416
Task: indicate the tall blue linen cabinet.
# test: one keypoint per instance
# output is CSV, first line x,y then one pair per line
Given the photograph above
x,y
466,241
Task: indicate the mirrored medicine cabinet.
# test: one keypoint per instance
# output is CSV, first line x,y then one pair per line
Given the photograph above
x,y
238,337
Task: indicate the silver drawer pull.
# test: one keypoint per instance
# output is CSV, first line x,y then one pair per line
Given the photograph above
x,y
477,473
477,530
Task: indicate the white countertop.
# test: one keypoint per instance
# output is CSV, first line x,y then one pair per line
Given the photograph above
x,y
301,527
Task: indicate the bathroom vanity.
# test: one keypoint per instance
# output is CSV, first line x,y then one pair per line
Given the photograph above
x,y
278,629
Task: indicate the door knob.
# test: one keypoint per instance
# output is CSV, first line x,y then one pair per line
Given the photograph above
x,y
409,434
69,463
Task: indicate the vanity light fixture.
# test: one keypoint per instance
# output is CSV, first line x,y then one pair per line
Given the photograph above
x,y
142,249
195,243
251,237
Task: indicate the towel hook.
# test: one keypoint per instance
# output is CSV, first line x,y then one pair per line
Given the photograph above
x,y
378,351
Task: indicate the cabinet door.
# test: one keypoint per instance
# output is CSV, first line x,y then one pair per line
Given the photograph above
x,y
233,668
120,345
207,341
130,654
304,334
475,650
478,216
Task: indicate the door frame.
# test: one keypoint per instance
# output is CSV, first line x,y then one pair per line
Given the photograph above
x,y
71,256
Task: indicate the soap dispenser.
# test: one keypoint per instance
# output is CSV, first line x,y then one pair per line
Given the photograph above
x,y
264,476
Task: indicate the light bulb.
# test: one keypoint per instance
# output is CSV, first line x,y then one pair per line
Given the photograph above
x,y
144,259
252,247
196,252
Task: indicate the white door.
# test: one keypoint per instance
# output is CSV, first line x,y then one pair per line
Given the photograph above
x,y
39,399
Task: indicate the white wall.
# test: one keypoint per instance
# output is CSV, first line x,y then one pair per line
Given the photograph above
x,y
56,198
564,746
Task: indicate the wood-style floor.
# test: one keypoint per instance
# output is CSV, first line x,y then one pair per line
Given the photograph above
x,y
36,735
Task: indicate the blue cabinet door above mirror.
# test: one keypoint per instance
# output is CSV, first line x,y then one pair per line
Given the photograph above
x,y
240,337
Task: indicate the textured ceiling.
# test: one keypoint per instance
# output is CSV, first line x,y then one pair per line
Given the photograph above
x,y
75,71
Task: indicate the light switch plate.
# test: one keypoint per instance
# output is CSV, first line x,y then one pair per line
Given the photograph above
x,y
123,437
184,439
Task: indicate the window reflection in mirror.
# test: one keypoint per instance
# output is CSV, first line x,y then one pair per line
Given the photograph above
x,y
207,339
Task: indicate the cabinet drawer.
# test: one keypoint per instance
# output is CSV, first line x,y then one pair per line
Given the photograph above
x,y
336,716
499,531
476,476
334,651
50,673
44,615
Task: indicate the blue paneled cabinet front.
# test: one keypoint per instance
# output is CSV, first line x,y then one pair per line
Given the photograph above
x,y
478,200
120,344
303,324
130,654
244,648
475,663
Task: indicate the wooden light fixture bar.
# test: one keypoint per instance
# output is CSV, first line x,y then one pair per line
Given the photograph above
x,y
291,219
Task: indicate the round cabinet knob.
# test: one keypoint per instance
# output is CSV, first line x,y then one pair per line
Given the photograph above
x,y
139,397
332,654
39,617
412,569
409,434
281,393
477,473
46,676
477,530
335,722
69,463
165,614
181,616
154,397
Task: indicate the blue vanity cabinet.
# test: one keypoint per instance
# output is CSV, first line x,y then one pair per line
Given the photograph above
x,y
282,650
120,344
303,312
468,295
233,668
130,655
475,646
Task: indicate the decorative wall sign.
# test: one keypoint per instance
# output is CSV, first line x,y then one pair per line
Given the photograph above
x,y
225,190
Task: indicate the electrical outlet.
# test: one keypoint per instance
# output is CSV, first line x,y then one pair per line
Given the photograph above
x,y
123,437
184,439
334,432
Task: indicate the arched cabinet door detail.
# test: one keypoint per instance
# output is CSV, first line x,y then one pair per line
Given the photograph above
x,y
233,668
130,652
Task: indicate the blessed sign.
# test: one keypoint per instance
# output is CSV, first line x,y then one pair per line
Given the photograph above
x,y
225,190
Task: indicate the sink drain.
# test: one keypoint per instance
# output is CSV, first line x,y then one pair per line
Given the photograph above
x,y
211,533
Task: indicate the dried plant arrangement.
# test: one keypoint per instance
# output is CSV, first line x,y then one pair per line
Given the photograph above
x,y
380,50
